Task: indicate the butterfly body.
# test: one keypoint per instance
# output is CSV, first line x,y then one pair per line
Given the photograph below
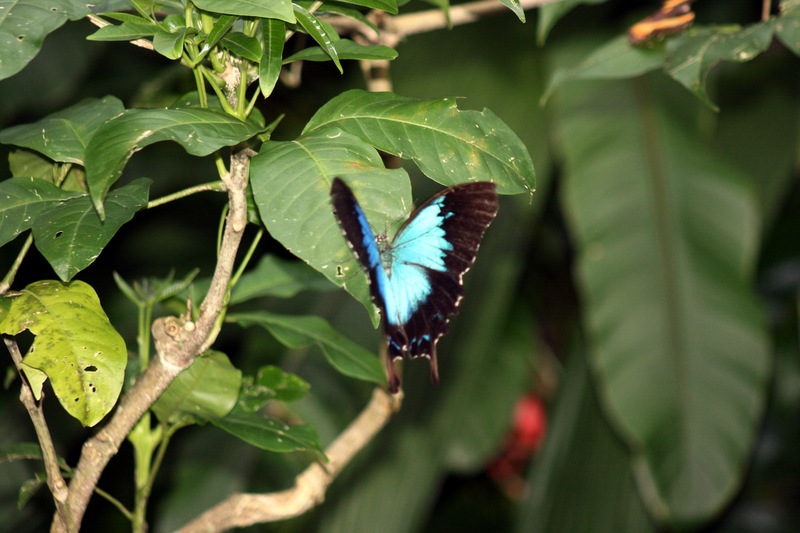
x,y
416,280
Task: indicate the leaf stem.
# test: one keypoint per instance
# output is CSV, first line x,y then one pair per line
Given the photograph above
x,y
8,279
217,186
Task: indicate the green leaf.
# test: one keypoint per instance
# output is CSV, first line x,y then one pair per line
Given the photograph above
x,y
551,13
581,479
692,56
24,26
279,278
390,6
23,200
617,59
271,383
199,131
291,186
64,135
516,8
274,9
273,35
787,30
133,27
28,489
24,163
667,236
75,345
270,434
243,45
169,43
449,145
220,29
320,32
208,389
297,331
71,235
345,49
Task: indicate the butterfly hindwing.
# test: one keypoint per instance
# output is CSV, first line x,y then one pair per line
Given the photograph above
x,y
425,264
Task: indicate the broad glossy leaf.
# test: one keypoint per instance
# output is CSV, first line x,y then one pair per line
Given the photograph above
x,y
273,33
667,235
278,278
345,49
270,434
297,331
22,200
692,56
199,131
449,145
617,59
208,389
581,479
71,235
320,32
25,24
274,9
64,135
291,185
75,345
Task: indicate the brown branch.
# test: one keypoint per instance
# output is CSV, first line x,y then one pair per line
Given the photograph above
x,y
55,482
241,509
178,342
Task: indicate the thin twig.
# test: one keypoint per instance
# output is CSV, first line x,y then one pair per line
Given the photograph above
x,y
241,510
55,482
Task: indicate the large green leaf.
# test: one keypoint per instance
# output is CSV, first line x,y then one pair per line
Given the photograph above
x,y
200,132
581,479
449,145
206,390
291,186
25,24
22,200
297,331
75,346
63,136
274,9
71,234
322,33
667,234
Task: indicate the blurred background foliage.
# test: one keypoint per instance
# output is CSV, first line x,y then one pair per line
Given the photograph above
x,y
576,456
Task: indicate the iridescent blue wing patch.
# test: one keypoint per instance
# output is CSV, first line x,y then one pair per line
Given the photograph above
x,y
416,281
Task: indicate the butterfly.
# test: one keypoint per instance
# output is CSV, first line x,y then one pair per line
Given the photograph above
x,y
416,280
673,17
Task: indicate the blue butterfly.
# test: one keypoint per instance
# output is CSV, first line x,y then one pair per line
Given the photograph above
x,y
416,280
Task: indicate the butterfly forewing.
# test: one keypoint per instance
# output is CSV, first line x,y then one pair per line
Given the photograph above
x,y
425,262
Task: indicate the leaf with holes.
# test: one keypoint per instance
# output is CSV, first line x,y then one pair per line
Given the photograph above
x,y
22,200
71,235
76,346
24,24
